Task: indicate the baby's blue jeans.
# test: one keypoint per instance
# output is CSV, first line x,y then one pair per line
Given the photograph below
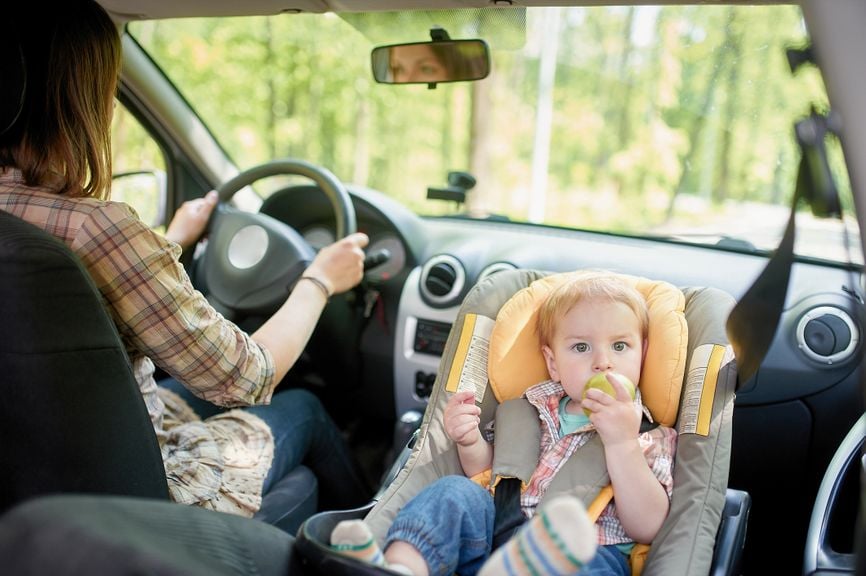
x,y
450,522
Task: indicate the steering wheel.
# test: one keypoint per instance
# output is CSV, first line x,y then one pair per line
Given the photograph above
x,y
252,260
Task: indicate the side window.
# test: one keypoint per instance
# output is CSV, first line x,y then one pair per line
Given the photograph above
x,y
139,169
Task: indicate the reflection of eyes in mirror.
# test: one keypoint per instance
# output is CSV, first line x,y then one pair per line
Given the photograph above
x,y
431,62
416,63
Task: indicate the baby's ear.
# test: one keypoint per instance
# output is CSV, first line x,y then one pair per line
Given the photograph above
x,y
551,363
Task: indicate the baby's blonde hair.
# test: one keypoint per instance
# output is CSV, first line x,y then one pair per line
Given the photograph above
x,y
588,285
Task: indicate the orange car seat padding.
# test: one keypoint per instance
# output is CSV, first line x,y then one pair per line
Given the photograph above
x,y
515,361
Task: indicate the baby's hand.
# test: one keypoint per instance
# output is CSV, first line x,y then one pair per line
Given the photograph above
x,y
616,419
462,418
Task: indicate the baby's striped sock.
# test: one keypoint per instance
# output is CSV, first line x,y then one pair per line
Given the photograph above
x,y
559,540
353,538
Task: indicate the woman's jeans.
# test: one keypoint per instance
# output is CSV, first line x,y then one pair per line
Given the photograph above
x,y
450,522
303,434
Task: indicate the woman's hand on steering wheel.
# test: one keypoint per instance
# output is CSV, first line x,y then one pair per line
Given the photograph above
x,y
340,265
190,220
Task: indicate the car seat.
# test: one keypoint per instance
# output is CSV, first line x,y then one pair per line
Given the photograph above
x,y
71,417
75,534
687,381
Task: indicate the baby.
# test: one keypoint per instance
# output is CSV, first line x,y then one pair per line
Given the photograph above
x,y
594,324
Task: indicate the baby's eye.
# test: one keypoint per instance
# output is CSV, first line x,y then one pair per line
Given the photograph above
x,y
580,347
620,346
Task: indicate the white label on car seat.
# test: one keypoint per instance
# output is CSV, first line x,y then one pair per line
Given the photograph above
x,y
469,368
696,410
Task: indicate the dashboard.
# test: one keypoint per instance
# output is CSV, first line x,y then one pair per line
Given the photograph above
x,y
434,262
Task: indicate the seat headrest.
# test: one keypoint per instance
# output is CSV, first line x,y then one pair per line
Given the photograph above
x,y
515,360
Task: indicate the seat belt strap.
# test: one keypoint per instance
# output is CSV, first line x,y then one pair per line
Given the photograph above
x,y
753,322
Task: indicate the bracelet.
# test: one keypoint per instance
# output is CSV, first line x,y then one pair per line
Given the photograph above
x,y
321,285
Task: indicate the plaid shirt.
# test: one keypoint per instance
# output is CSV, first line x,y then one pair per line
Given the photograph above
x,y
659,446
220,463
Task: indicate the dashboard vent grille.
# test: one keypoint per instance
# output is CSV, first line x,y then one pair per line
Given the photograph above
x,y
442,280
827,335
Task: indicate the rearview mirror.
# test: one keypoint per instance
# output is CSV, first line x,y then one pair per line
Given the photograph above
x,y
431,62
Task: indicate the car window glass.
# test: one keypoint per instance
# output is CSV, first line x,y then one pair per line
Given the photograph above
x,y
672,121
138,167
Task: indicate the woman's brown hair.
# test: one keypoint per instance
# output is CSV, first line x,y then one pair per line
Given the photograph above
x,y
62,137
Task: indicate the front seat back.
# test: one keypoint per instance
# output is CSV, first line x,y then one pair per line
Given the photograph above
x,y
71,416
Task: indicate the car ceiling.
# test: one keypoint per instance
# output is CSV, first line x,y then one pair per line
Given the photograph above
x,y
154,9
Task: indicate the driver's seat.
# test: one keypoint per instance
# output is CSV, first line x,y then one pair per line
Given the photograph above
x,y
72,419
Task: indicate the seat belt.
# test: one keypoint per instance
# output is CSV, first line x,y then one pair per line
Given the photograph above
x,y
753,321
509,515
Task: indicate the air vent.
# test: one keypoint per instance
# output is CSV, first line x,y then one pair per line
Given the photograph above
x,y
442,279
495,268
827,334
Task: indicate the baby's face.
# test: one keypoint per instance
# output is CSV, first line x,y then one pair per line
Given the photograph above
x,y
594,336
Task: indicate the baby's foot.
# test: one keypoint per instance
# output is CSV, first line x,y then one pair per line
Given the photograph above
x,y
353,538
560,539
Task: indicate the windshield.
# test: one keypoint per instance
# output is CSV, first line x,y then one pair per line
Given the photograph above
x,y
651,121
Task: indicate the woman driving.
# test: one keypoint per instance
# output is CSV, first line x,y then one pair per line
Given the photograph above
x,y
55,172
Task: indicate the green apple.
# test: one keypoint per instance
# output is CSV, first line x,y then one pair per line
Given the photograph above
x,y
601,382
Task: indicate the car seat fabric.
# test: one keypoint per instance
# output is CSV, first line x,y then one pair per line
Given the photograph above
x,y
684,545
71,417
686,541
65,535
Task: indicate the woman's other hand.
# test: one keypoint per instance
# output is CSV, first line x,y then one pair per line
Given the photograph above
x,y
190,220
